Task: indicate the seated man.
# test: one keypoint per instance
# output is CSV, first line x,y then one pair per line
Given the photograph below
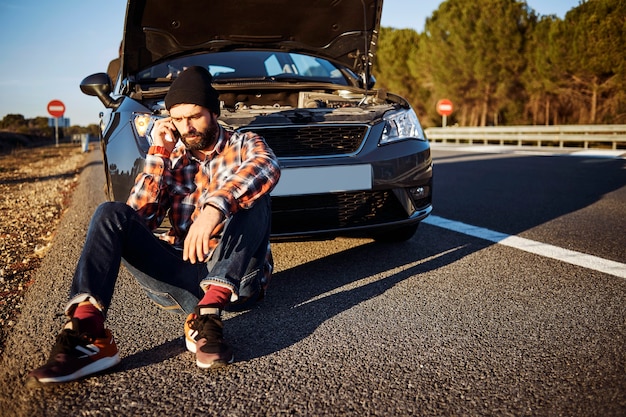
x,y
215,187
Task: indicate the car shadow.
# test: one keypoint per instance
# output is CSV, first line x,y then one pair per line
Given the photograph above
x,y
303,297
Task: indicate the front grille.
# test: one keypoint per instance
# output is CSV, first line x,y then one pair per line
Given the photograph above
x,y
312,213
311,141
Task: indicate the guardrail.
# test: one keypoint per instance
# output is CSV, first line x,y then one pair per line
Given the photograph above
x,y
579,136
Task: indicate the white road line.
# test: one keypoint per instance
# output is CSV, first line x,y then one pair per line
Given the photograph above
x,y
549,251
601,153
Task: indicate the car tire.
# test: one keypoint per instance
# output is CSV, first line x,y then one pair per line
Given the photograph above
x,y
400,234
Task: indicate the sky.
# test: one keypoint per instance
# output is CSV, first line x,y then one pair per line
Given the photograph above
x,y
48,47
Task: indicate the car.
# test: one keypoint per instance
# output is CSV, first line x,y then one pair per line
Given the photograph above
x,y
355,160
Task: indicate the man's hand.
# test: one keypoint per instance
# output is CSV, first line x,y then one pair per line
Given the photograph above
x,y
196,246
164,134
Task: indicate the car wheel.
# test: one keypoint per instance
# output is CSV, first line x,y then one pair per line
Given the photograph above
x,y
396,235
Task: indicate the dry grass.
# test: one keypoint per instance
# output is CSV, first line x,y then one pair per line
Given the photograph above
x,y
35,189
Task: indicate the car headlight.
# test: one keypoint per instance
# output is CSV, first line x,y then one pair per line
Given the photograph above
x,y
143,124
401,125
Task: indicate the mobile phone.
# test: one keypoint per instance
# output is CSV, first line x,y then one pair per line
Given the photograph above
x,y
176,134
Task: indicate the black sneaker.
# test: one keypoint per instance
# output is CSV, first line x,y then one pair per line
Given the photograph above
x,y
204,336
76,355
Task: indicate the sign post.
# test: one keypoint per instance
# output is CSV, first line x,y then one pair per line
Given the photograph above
x,y
56,109
445,109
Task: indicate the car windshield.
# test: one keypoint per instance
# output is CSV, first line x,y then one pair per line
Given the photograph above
x,y
251,65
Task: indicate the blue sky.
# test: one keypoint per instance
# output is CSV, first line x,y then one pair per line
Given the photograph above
x,y
48,47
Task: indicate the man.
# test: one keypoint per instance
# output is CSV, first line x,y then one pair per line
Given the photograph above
x,y
215,189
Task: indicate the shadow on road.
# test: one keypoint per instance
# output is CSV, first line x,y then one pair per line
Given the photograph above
x,y
305,296
516,193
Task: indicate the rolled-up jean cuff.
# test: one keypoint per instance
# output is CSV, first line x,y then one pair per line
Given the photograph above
x,y
79,298
204,284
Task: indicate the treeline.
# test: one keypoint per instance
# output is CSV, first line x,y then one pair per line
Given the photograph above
x,y
502,64
17,123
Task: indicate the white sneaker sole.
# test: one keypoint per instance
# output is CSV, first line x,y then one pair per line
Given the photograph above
x,y
92,368
190,344
218,364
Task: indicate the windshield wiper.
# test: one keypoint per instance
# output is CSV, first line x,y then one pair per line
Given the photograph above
x,y
225,78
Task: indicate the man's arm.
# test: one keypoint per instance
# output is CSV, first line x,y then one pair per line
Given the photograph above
x,y
148,196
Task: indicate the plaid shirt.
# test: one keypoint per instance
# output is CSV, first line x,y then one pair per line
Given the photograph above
x,y
240,169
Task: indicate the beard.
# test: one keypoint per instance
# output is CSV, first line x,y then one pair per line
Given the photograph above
x,y
202,140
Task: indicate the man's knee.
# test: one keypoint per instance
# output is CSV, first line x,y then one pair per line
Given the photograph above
x,y
109,208
113,213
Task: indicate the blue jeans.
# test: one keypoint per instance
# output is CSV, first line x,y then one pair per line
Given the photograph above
x,y
117,233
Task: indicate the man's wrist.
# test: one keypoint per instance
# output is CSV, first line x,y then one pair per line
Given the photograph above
x,y
159,150
223,215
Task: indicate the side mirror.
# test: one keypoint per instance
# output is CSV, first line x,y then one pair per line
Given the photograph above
x,y
99,85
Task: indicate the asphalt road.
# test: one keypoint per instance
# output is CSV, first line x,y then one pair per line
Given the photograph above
x,y
445,324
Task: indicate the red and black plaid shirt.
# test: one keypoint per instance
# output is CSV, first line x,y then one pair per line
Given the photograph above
x,y
240,169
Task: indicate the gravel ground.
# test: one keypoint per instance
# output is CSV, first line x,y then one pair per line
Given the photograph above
x,y
36,185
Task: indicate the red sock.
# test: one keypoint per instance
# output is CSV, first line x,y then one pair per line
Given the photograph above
x,y
216,296
91,319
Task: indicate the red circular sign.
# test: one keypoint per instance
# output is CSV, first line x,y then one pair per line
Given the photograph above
x,y
444,107
56,108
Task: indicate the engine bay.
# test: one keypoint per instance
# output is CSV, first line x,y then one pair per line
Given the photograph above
x,y
243,107
286,107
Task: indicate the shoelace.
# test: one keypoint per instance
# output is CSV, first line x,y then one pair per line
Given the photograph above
x,y
68,339
208,328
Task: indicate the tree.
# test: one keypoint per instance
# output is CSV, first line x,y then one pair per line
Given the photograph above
x,y
397,48
594,59
542,75
475,54
13,122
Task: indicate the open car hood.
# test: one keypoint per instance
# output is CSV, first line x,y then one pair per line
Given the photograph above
x,y
344,31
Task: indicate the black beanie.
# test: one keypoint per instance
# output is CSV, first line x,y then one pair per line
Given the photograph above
x,y
193,86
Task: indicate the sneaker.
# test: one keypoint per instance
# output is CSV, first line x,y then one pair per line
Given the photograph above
x,y
76,355
204,336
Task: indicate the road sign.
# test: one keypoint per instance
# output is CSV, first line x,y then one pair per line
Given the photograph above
x,y
58,121
56,108
444,107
